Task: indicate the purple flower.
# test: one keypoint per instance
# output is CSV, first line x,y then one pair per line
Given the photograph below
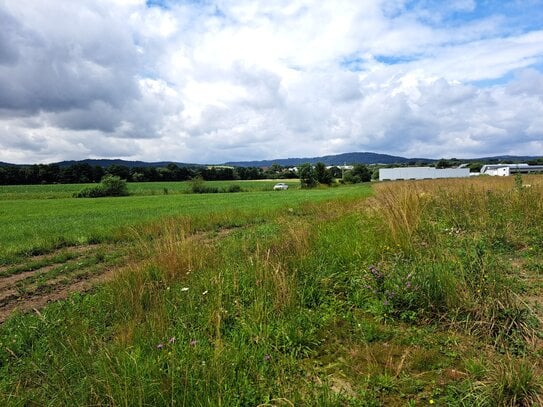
x,y
171,340
267,357
408,284
193,342
159,346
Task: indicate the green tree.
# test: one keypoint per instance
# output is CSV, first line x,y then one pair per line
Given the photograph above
x,y
362,172
443,163
120,171
308,177
350,178
336,172
322,175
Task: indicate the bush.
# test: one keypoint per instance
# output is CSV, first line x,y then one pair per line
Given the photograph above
x,y
111,185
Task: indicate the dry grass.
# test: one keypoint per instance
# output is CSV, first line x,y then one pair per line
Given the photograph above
x,y
449,232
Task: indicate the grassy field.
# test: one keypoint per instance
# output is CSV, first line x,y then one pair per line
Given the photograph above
x,y
50,220
425,293
56,191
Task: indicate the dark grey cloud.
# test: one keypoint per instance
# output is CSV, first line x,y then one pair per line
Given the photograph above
x,y
57,65
9,39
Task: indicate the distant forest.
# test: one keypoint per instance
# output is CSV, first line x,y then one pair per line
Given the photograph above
x,y
86,173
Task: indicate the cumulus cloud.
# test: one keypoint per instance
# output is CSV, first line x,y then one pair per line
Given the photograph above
x,y
244,79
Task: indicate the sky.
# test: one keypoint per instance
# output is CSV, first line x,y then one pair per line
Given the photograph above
x,y
211,81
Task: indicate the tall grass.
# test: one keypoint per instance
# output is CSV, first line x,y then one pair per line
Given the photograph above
x,y
448,237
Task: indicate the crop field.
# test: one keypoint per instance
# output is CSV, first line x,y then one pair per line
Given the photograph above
x,y
56,191
35,219
400,293
53,245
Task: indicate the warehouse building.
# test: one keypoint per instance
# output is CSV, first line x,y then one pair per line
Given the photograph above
x,y
504,170
390,174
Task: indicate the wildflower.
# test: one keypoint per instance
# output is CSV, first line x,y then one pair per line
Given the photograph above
x,y
160,346
431,401
171,340
378,277
193,342
205,292
408,284
267,357
185,289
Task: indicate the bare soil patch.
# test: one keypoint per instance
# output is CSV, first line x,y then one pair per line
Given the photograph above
x,y
78,250
36,295
59,292
9,282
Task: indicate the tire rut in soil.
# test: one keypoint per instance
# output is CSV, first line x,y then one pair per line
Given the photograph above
x,y
13,297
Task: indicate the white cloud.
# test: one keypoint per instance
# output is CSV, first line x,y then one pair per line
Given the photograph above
x,y
233,80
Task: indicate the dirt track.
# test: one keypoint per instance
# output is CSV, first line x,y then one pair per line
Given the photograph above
x,y
31,289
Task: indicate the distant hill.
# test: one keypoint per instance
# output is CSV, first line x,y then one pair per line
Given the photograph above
x,y
131,164
338,159
501,158
370,158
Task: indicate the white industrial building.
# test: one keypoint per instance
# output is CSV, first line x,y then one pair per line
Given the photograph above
x,y
390,174
504,170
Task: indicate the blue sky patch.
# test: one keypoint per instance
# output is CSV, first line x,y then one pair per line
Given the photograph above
x,y
354,64
395,60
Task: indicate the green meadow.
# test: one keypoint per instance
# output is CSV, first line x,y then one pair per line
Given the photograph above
x,y
394,294
56,191
36,219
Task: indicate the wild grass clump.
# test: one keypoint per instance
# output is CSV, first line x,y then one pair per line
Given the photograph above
x,y
512,383
509,382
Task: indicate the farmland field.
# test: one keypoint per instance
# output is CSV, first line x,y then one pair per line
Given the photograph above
x,y
38,218
403,293
55,191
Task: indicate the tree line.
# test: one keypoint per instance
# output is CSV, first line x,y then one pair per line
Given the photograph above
x,y
86,173
83,173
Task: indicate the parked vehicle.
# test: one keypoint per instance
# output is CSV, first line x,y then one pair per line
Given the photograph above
x,y
280,186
